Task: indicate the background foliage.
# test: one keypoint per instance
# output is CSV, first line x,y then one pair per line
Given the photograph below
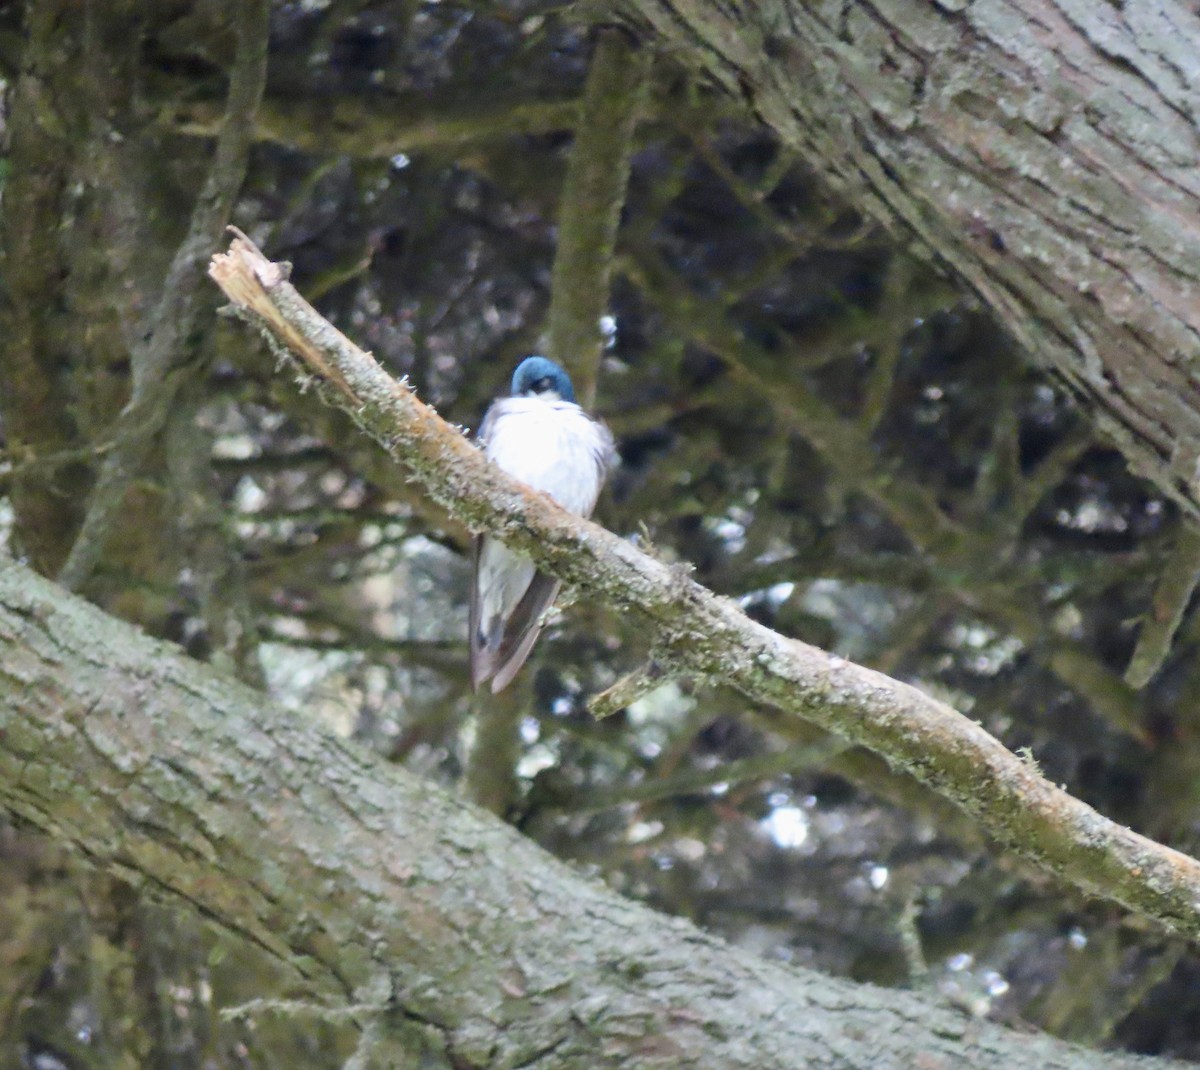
x,y
808,416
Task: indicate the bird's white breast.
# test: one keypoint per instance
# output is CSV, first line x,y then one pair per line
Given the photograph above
x,y
553,446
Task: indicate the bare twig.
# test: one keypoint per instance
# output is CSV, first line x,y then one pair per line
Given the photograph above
x,y
910,943
1051,471
894,308
712,639
741,771
627,690
1165,612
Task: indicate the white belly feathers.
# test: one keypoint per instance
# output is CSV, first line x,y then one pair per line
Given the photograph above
x,y
551,445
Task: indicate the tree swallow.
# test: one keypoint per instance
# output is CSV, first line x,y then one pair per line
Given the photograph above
x,y
540,436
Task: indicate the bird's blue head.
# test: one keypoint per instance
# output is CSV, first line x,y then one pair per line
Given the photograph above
x,y
537,375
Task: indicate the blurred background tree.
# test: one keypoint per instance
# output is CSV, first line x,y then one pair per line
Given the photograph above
x,y
813,418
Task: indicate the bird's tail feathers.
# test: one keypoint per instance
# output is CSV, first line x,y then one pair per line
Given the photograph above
x,y
509,668
485,653
499,647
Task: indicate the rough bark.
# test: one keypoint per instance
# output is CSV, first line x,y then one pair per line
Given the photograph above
x,y
695,632
159,358
376,886
91,214
1043,151
35,392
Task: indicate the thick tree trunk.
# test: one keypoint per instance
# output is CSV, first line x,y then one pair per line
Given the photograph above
x,y
371,883
90,218
1043,150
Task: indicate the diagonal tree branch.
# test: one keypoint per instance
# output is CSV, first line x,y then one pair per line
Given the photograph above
x,y
397,903
978,578
709,637
1165,613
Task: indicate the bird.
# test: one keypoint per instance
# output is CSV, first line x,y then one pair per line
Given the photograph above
x,y
541,436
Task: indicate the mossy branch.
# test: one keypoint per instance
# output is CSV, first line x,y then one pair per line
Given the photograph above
x,y
441,930
159,360
712,639
370,131
590,209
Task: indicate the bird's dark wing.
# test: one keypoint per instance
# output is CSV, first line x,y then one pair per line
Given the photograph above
x,y
499,648
522,629
481,668
485,425
482,660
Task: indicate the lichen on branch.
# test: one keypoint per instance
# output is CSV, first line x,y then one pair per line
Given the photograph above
x,y
710,638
